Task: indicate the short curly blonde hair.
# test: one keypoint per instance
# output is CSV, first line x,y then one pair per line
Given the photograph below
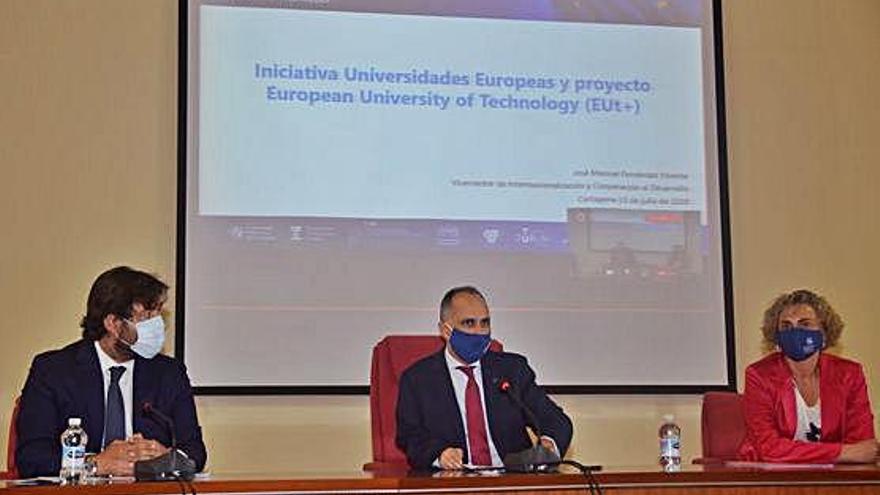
x,y
832,324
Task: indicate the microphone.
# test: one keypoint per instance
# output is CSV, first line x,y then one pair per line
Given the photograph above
x,y
537,458
173,465
506,387
149,410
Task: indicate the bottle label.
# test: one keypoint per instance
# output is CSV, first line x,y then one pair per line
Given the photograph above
x,y
670,447
73,457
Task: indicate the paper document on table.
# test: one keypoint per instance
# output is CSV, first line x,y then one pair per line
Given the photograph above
x,y
776,466
474,468
39,480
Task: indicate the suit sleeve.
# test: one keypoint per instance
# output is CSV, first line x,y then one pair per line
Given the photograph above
x,y
859,418
763,434
554,422
413,437
186,421
38,448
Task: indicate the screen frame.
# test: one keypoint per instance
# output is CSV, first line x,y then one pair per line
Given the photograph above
x,y
724,216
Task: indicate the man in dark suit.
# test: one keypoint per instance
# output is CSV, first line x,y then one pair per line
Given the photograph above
x,y
105,379
451,410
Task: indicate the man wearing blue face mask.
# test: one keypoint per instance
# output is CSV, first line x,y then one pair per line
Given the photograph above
x,y
801,403
451,408
106,379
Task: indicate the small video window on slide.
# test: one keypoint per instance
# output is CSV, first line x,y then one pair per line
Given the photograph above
x,y
643,253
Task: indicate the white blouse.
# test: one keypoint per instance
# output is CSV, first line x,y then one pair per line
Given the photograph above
x,y
809,424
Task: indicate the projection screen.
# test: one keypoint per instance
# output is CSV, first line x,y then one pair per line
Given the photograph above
x,y
344,163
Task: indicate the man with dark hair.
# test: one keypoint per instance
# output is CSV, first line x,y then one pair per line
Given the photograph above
x,y
451,410
105,379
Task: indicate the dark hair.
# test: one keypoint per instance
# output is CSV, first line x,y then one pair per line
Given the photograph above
x,y
446,302
832,324
114,292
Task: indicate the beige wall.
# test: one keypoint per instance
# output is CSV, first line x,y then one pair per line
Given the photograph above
x,y
87,150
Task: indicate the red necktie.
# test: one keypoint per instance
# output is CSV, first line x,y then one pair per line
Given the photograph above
x,y
476,427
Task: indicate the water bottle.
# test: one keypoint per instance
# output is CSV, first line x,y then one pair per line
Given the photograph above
x,y
73,452
670,444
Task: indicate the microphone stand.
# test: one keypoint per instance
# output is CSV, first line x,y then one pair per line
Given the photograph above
x,y
537,458
173,465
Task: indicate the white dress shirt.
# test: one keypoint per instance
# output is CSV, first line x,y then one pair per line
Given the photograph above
x,y
126,385
459,384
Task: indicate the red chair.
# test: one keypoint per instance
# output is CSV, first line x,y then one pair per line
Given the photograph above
x,y
391,357
11,472
723,427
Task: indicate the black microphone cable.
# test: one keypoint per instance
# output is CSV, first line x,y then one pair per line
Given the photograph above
x,y
192,487
186,486
179,481
587,471
184,483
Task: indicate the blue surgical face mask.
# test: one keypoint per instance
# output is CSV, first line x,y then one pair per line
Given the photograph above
x,y
800,343
470,347
150,337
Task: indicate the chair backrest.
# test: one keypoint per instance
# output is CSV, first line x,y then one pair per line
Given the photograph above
x,y
391,357
723,425
11,472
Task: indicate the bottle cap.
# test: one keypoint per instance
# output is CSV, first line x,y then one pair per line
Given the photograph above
x,y
74,422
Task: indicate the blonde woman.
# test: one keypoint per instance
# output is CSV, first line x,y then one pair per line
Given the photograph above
x,y
801,403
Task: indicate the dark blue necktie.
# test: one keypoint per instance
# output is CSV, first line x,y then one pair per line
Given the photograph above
x,y
114,416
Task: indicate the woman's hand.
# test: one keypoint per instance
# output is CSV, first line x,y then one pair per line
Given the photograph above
x,y
863,452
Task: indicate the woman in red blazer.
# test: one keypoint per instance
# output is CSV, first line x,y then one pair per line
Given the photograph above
x,y
802,404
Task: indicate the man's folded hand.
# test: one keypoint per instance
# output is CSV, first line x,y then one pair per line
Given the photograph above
x,y
452,458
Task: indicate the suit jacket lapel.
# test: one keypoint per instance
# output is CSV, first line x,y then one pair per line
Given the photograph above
x,y
491,396
450,403
91,384
786,397
143,390
831,404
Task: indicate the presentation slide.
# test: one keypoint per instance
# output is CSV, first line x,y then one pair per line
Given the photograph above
x,y
348,162
576,115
